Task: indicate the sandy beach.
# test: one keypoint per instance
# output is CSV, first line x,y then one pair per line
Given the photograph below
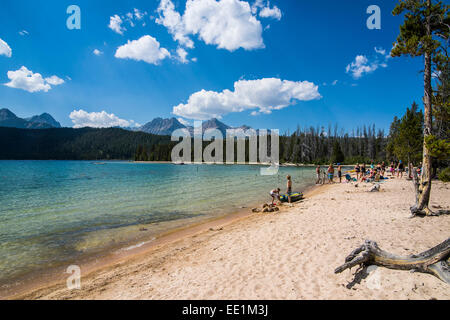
x,y
290,254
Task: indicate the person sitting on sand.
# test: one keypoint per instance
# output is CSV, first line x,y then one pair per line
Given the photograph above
x,y
340,172
330,173
318,174
377,176
275,194
348,178
289,187
369,177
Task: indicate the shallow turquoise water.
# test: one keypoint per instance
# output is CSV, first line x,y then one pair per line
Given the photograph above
x,y
54,212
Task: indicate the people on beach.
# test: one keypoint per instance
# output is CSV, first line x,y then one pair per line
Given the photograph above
x,y
400,169
383,168
289,187
371,176
363,170
357,170
378,168
392,168
275,194
318,174
340,172
330,173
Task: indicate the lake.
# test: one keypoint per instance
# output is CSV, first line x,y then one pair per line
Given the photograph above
x,y
54,213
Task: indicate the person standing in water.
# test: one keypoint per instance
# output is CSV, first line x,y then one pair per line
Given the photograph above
x,y
289,187
330,173
318,174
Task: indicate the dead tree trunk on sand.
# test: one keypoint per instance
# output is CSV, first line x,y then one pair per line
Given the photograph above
x,y
434,261
416,209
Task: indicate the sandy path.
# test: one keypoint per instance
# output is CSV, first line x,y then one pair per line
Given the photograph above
x,y
286,255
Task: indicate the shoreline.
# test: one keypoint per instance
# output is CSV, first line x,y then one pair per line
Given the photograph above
x,y
286,255
118,254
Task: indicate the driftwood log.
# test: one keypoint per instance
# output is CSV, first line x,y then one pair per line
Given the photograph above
x,y
434,261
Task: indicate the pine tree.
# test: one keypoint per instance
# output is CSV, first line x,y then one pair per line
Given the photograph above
x,y
407,139
337,156
424,28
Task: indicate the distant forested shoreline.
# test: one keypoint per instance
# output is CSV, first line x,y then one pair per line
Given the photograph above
x,y
79,144
304,146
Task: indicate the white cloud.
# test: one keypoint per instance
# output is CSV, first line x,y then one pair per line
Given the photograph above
x,y
115,24
54,80
139,15
363,65
172,20
97,52
265,11
264,95
5,49
182,54
228,24
360,66
32,82
81,119
145,49
380,51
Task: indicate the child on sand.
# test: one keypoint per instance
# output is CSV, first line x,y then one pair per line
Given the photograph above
x,y
391,169
340,172
275,194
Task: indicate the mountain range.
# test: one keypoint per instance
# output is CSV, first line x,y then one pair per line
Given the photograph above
x,y
44,121
161,126
158,126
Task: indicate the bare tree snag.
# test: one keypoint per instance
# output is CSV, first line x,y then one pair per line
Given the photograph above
x,y
417,209
434,261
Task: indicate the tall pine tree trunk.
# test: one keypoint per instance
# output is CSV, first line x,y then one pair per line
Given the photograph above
x,y
424,187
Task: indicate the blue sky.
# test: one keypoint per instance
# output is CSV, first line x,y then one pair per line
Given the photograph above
x,y
267,55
